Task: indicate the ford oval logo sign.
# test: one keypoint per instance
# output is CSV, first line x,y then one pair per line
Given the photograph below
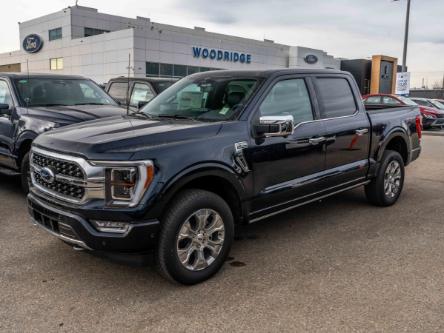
x,y
32,43
47,175
311,59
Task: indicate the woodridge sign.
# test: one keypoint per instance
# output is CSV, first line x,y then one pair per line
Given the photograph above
x,y
221,55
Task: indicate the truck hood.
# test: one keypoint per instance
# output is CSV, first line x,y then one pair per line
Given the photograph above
x,y
66,115
118,138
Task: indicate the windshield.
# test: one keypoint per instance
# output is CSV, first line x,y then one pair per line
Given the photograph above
x,y
64,92
407,101
216,98
423,102
437,104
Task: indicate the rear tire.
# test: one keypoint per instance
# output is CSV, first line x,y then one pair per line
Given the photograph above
x,y
25,174
385,189
196,236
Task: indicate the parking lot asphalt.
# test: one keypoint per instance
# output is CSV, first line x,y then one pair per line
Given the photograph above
x,y
339,265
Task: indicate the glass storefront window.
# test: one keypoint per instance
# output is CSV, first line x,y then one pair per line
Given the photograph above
x,y
166,70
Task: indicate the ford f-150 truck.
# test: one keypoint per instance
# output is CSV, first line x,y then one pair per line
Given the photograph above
x,y
215,150
31,104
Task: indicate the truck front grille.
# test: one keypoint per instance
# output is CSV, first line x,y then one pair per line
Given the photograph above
x,y
64,168
61,178
67,190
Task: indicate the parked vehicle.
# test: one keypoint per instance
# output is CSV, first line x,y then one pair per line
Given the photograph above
x,y
432,117
437,104
33,104
139,92
216,149
427,102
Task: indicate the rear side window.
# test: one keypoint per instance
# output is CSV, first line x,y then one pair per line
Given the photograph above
x,y
119,90
335,97
390,100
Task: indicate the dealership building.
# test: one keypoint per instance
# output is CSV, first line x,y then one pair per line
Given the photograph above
x,y
80,40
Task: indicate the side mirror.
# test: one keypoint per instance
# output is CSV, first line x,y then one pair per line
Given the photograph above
x,y
5,109
275,126
141,104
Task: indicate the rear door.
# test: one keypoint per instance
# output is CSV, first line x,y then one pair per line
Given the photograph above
x,y
285,168
347,130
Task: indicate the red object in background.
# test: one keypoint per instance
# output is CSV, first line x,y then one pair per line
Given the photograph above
x,y
425,110
419,127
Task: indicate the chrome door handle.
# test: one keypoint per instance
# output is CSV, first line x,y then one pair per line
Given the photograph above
x,y
361,132
316,141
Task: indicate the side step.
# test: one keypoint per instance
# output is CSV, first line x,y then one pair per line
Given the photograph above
x,y
8,172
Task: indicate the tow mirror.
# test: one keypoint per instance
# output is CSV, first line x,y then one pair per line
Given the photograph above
x,y
275,126
5,110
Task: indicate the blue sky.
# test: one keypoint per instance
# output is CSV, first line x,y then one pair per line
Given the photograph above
x,y
344,28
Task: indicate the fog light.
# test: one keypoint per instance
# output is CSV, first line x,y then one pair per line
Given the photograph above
x,y
112,226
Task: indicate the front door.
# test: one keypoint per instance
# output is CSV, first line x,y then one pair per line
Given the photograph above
x,y
6,127
284,168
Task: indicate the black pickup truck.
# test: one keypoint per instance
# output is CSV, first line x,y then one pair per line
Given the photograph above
x,y
33,104
215,150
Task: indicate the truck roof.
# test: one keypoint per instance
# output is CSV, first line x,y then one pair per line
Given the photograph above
x,y
41,76
271,72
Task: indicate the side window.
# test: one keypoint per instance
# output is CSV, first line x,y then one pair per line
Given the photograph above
x,y
288,97
141,93
118,91
335,97
373,100
390,101
5,95
88,92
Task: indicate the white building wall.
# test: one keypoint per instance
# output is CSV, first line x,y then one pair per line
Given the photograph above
x,y
104,56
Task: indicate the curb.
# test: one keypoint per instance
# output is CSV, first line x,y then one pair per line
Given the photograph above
x,y
430,133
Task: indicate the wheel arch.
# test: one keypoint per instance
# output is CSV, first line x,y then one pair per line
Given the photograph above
x,y
215,178
397,141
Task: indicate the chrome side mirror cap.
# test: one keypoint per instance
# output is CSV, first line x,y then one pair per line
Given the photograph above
x,y
275,126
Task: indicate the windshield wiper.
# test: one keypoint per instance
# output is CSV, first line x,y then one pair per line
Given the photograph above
x,y
174,116
140,113
48,104
88,104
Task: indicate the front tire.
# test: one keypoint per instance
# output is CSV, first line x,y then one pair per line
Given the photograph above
x,y
385,189
25,174
196,237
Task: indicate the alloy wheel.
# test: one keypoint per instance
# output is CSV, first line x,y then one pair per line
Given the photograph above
x,y
200,239
392,179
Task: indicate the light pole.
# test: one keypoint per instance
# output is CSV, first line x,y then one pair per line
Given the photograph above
x,y
406,37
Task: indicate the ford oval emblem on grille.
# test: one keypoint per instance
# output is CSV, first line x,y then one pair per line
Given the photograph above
x,y
47,175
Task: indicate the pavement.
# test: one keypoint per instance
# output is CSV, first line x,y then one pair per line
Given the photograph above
x,y
339,265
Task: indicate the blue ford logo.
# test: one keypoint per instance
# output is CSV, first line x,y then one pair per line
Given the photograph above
x,y
311,59
47,175
32,43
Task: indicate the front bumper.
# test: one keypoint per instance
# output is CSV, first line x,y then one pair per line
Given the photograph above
x,y
76,230
436,122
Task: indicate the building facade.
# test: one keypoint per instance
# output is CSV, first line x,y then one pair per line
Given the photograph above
x,y
81,41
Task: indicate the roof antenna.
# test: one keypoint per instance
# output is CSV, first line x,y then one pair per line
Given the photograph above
x,y
77,3
128,88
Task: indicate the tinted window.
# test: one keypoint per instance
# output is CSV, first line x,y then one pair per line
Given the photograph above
x,y
289,97
141,93
5,95
166,70
161,86
373,100
67,92
119,91
422,102
335,97
55,34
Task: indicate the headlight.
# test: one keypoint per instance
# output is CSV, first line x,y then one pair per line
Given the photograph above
x,y
126,182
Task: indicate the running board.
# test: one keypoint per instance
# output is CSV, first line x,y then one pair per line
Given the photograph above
x,y
9,172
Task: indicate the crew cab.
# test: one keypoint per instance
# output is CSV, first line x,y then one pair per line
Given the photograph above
x,y
432,116
31,104
214,150
137,92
